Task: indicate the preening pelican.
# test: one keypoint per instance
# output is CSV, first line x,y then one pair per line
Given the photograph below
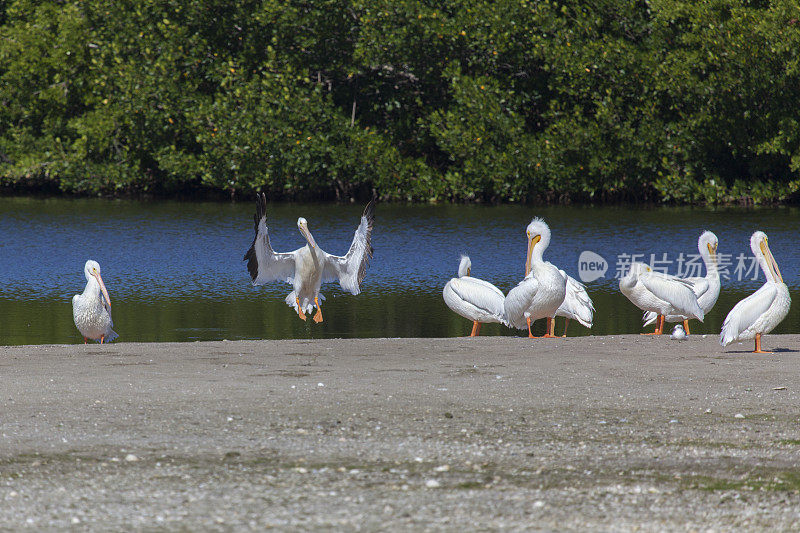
x,y
307,268
91,310
542,291
577,305
660,293
473,298
705,288
760,312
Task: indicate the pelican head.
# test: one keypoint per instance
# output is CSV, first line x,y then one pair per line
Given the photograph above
x,y
708,241
638,268
302,225
538,234
759,245
635,269
464,267
92,270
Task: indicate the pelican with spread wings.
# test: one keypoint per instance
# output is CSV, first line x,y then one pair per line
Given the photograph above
x,y
307,268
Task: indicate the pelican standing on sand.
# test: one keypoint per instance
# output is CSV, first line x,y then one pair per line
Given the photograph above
x,y
706,294
660,293
577,305
307,268
473,298
91,310
542,291
760,312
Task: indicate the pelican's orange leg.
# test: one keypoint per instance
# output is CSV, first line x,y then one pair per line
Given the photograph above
x,y
758,344
566,323
85,340
686,326
551,329
476,329
102,338
530,334
659,326
300,312
318,315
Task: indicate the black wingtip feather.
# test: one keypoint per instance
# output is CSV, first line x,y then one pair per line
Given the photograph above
x,y
261,209
250,256
252,261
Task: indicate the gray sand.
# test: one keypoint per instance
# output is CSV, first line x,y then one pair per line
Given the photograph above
x,y
604,433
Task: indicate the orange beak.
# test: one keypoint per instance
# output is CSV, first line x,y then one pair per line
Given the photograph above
x,y
531,243
307,234
102,288
771,263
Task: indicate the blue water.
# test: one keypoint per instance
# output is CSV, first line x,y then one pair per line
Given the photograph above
x,y
175,271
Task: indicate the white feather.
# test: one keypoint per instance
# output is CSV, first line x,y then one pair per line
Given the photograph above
x,y
659,293
518,301
351,268
90,311
473,298
577,304
307,268
707,288
543,298
760,312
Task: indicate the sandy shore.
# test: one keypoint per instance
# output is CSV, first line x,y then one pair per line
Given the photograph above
x,y
602,433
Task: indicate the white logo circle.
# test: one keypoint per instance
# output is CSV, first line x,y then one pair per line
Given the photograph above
x,y
591,266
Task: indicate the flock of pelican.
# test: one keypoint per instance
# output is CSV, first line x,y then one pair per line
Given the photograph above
x,y
548,292
545,291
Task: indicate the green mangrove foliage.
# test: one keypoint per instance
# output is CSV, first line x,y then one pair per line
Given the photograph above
x,y
660,100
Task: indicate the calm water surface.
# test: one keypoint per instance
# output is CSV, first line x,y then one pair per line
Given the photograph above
x,y
175,272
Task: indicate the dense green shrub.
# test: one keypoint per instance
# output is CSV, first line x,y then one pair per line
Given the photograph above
x,y
666,100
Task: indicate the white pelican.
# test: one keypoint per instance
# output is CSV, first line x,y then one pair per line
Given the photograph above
x,y
760,312
706,289
542,291
91,310
307,268
473,298
577,305
660,293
